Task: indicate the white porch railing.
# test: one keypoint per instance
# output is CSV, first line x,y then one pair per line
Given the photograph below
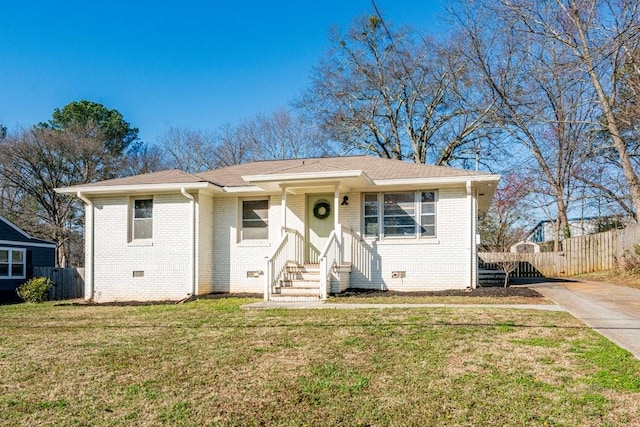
x,y
328,260
290,249
337,252
349,239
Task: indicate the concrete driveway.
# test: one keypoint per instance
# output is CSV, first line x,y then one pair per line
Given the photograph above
x,y
612,310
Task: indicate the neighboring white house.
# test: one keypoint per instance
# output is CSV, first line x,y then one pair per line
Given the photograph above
x,y
545,231
288,229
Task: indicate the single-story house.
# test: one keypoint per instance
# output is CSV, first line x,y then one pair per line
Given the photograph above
x,y
19,254
288,229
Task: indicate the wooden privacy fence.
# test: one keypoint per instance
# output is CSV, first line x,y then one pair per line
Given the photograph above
x,y
68,283
583,254
543,264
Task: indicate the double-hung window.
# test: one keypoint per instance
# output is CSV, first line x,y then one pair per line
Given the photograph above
x,y
12,263
255,220
400,214
142,219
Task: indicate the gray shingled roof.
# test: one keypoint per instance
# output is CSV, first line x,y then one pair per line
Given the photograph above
x,y
376,169
173,176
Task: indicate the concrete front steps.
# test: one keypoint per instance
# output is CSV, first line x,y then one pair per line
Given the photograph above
x,y
298,284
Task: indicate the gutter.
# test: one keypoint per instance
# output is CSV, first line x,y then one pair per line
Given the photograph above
x,y
192,268
89,257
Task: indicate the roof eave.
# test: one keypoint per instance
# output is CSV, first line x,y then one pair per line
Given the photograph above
x,y
272,182
139,188
448,180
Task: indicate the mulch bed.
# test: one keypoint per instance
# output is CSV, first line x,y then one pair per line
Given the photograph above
x,y
493,291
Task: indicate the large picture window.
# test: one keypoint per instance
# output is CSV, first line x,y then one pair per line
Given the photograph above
x,y
255,220
12,263
400,214
142,219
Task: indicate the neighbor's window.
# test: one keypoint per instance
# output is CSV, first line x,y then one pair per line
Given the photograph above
x,y
255,220
403,214
12,263
142,226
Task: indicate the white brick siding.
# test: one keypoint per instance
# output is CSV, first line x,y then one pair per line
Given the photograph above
x,y
430,264
164,259
222,262
233,259
205,244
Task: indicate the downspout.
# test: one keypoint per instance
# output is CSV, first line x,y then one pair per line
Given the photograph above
x,y
192,268
88,262
472,284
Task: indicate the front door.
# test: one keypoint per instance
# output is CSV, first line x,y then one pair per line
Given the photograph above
x,y
319,224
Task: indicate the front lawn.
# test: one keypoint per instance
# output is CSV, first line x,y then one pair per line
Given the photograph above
x,y
211,363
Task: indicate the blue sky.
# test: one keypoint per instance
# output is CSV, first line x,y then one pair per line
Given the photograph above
x,y
192,63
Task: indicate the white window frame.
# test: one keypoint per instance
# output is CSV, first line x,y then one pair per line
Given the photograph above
x,y
241,218
10,263
132,218
417,215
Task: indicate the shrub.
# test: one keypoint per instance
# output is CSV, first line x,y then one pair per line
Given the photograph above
x,y
631,259
35,290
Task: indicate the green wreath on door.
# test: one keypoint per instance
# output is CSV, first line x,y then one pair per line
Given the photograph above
x,y
321,209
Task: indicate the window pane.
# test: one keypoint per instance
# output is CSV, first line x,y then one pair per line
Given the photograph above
x,y
428,196
142,228
428,220
370,204
371,226
4,256
428,231
4,270
16,256
399,230
143,208
17,269
255,219
255,209
399,204
399,214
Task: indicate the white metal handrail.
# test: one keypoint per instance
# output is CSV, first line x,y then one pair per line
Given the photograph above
x,y
329,257
290,249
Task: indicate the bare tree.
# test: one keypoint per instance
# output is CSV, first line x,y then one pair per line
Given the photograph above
x,y
145,159
541,103
598,36
395,94
233,146
190,150
282,135
35,162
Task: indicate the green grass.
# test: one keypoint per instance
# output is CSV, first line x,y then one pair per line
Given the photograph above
x,y
212,363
